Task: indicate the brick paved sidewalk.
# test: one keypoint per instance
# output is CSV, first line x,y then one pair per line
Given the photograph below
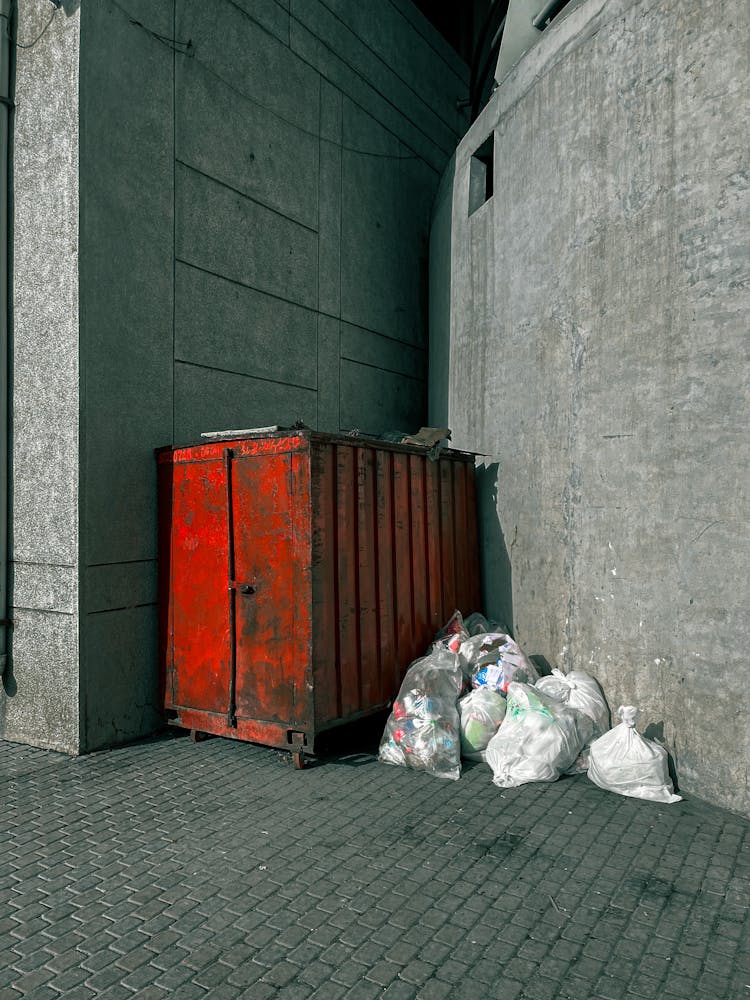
x,y
216,870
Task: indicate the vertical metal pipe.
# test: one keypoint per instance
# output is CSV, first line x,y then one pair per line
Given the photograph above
x,y
6,106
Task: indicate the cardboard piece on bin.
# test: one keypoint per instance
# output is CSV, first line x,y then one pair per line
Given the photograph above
x,y
428,437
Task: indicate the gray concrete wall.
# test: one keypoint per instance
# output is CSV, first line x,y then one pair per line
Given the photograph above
x,y
255,219
599,305
39,697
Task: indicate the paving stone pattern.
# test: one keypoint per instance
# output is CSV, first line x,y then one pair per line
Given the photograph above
x,y
169,868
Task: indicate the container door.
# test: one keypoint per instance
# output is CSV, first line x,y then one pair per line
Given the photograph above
x,y
271,600
199,662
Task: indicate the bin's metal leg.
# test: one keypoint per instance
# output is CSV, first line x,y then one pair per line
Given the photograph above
x,y
298,741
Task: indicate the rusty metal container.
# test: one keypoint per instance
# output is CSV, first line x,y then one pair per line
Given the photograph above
x,y
301,573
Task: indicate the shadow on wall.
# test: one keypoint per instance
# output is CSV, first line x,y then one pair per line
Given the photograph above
x,y
9,688
497,571
9,681
497,574
655,731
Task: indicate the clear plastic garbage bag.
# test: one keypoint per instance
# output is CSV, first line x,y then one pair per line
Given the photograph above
x,y
453,633
580,691
625,762
539,739
476,624
481,711
422,731
493,660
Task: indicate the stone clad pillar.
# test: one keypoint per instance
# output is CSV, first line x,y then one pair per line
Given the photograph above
x,y
39,702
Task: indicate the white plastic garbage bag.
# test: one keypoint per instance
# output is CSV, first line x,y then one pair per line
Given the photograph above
x,y
481,711
580,691
538,740
625,762
423,729
494,660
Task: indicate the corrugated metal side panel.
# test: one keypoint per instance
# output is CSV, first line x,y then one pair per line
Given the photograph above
x,y
302,625
370,682
386,570
394,553
447,539
402,561
325,617
347,579
422,629
434,547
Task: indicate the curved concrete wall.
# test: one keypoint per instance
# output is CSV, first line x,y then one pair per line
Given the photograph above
x,y
598,355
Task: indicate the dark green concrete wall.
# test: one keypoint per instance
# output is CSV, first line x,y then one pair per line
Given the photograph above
x,y
254,232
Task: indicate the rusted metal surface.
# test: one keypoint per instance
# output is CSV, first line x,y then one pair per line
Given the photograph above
x,y
301,573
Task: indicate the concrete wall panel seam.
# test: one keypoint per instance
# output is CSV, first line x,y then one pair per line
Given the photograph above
x,y
123,607
255,377
122,562
192,266
271,16
243,194
221,231
363,46
389,338
245,144
383,368
337,72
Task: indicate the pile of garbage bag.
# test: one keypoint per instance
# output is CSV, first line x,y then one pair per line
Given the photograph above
x,y
476,695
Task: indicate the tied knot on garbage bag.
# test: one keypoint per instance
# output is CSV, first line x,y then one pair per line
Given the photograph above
x,y
628,714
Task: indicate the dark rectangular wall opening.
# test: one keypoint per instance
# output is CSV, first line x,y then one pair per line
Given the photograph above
x,y
481,174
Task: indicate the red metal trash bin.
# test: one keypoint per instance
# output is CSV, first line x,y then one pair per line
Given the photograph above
x,y
301,573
